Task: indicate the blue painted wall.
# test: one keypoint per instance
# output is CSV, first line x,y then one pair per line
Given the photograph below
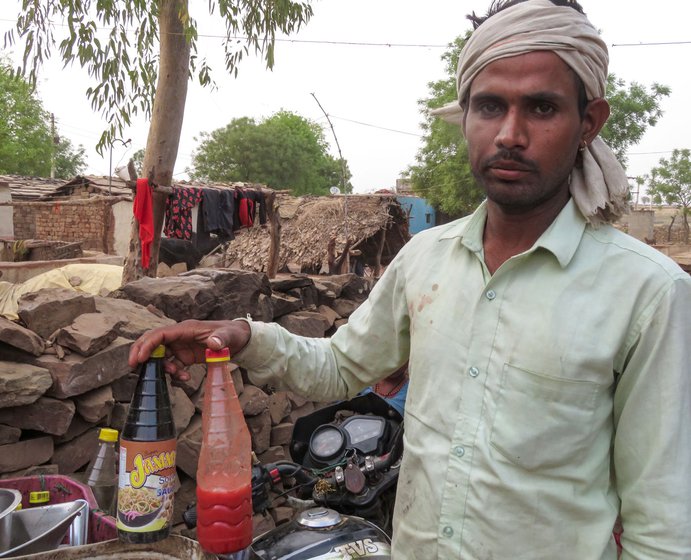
x,y
421,215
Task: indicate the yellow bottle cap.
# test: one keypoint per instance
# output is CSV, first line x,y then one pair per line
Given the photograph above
x,y
108,434
159,352
42,497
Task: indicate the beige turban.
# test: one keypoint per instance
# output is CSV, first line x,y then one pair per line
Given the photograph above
x,y
600,187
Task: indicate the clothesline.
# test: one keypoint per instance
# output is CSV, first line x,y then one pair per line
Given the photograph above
x,y
221,211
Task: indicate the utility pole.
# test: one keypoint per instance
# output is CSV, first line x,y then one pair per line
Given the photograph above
x,y
53,142
338,146
343,182
110,165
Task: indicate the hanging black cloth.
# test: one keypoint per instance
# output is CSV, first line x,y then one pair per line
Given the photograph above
x,y
218,207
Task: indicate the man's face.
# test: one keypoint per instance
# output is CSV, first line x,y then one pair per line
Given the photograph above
x,y
523,130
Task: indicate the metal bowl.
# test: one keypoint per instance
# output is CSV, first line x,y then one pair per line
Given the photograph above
x,y
9,501
43,528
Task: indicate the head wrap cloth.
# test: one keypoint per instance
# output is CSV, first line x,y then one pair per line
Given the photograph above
x,y
600,186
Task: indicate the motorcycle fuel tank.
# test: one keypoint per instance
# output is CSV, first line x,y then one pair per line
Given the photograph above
x,y
323,534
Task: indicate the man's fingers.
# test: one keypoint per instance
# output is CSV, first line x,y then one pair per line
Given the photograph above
x,y
188,340
176,369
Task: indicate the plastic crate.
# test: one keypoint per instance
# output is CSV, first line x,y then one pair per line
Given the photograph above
x,y
65,489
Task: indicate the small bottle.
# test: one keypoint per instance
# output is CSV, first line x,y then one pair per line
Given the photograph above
x,y
100,474
38,499
224,472
147,476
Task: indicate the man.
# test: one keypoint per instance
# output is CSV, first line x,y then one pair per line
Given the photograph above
x,y
393,389
549,361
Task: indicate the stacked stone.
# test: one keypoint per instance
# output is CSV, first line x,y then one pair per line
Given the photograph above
x,y
64,373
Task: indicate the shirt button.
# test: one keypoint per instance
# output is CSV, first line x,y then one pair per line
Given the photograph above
x,y
490,295
473,372
448,531
459,450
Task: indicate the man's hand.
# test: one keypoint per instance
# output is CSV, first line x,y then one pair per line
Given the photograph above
x,y
186,343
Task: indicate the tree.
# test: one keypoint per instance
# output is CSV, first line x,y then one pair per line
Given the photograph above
x,y
670,183
69,161
284,151
26,143
634,109
442,174
138,160
141,55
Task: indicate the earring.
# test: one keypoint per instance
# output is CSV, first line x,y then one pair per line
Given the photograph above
x,y
583,146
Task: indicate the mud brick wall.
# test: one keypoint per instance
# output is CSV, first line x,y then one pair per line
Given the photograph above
x,y
88,221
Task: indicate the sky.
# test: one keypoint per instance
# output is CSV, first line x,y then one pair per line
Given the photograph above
x,y
369,62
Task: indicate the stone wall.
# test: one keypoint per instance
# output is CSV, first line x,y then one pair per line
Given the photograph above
x,y
64,373
89,221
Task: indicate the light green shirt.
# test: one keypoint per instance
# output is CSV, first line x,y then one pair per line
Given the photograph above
x,y
544,400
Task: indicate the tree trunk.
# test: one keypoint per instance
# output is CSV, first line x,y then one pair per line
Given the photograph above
x,y
274,233
669,229
380,251
164,131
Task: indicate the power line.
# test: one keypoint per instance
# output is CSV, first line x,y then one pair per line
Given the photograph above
x,y
325,42
649,153
379,127
642,44
303,41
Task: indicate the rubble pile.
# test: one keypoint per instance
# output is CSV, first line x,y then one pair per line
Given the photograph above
x,y
64,372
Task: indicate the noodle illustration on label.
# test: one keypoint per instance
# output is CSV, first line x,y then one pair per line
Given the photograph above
x,y
146,485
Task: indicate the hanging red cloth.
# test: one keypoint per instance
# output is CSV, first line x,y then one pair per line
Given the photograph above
x,y
143,209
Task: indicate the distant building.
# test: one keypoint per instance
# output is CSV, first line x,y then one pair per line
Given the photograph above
x,y
421,215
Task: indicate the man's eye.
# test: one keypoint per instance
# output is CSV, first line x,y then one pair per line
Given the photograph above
x,y
489,108
544,109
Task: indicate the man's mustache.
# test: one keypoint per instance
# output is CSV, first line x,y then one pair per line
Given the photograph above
x,y
510,155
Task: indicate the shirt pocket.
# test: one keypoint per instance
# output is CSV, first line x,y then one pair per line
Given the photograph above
x,y
543,422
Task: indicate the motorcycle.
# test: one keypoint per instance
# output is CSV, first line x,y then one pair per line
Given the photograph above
x,y
346,458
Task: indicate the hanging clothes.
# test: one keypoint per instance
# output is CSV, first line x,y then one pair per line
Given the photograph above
x,y
246,201
179,212
257,198
143,210
218,207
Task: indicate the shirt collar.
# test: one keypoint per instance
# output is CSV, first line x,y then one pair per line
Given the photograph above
x,y
561,238
564,235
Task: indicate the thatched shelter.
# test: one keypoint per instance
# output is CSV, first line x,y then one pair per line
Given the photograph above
x,y
316,231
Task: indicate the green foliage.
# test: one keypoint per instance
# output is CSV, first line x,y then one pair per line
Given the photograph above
x,y
117,41
26,143
284,151
69,162
633,110
442,173
138,160
670,183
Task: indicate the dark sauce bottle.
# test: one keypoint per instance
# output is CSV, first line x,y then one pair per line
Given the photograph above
x,y
147,477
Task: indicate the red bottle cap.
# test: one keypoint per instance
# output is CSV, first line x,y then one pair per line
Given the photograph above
x,y
222,355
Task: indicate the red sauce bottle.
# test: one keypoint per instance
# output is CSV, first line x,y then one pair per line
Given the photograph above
x,y
224,472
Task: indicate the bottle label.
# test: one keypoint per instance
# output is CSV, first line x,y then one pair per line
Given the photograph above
x,y
146,485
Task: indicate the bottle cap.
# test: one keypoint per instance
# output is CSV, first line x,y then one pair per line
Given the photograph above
x,y
108,434
222,355
159,352
42,497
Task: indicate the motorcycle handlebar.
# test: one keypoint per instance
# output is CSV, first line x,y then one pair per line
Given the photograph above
x,y
264,476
